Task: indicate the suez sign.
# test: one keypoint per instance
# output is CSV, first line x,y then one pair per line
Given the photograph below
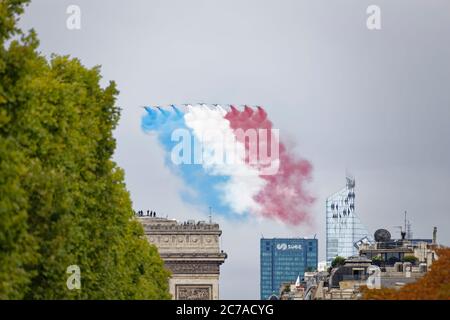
x,y
285,246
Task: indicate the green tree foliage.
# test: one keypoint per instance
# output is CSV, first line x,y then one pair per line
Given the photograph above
x,y
377,260
410,258
337,261
63,200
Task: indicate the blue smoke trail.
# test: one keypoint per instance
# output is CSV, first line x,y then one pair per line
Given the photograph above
x,y
206,187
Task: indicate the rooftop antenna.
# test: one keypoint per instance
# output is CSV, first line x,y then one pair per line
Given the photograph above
x,y
407,229
405,220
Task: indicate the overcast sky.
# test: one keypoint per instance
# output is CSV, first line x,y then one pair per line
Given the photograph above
x,y
375,103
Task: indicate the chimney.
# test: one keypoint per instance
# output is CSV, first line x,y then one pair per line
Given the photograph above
x,y
434,235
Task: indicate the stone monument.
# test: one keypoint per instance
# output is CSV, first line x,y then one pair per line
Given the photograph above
x,y
191,251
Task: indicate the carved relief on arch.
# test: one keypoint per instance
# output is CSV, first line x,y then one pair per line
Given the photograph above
x,y
195,239
211,240
208,239
193,267
193,292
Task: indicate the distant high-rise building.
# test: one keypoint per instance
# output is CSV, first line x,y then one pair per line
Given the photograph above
x,y
344,230
283,260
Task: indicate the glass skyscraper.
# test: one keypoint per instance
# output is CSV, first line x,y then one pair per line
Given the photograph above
x,y
343,227
283,260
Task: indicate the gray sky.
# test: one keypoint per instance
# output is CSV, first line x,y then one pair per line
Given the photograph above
x,y
376,103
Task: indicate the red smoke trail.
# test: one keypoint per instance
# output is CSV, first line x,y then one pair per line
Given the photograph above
x,y
284,197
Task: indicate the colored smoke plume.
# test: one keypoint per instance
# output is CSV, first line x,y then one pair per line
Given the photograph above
x,y
284,197
241,188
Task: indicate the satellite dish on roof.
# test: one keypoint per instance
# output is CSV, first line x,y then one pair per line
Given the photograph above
x,y
382,235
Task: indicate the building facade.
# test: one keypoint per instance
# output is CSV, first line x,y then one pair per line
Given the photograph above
x,y
282,260
389,252
191,251
344,230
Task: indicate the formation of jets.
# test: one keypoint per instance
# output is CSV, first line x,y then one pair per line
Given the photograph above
x,y
215,105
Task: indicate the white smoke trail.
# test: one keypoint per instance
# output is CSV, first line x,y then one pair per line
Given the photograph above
x,y
223,155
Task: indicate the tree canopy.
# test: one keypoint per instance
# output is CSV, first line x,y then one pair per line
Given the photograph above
x,y
410,258
337,261
63,200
